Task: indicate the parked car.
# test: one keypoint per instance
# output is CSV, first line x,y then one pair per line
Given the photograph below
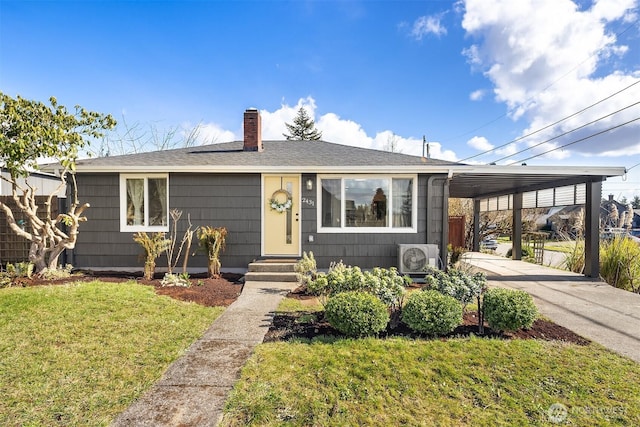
x,y
489,244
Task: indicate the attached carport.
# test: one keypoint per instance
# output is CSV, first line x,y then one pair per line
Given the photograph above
x,y
488,181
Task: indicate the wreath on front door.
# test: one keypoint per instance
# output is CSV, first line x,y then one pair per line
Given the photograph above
x,y
280,200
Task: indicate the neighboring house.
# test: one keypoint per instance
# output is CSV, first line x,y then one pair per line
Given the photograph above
x,y
347,203
283,198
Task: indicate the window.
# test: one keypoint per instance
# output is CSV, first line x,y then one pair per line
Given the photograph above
x,y
375,203
143,203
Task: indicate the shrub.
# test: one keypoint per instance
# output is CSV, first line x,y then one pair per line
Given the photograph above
x,y
357,314
432,313
153,247
306,268
172,279
213,240
20,269
387,285
527,253
620,263
462,286
509,309
57,273
574,260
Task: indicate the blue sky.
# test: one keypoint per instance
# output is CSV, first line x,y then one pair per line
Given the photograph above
x,y
471,75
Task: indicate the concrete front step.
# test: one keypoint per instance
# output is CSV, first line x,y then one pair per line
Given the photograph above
x,y
271,267
268,276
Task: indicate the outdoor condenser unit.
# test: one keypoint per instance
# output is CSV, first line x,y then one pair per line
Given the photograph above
x,y
415,258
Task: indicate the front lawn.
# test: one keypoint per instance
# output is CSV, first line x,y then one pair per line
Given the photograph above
x,y
79,354
463,381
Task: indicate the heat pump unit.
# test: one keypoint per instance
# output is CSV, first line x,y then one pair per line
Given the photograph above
x,y
415,258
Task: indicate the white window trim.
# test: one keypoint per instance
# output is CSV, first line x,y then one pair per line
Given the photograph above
x,y
124,227
380,230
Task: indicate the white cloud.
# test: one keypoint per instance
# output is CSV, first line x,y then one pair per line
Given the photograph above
x,y
208,133
480,143
426,25
477,95
344,131
548,59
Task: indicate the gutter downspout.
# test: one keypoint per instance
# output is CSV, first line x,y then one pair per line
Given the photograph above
x,y
444,239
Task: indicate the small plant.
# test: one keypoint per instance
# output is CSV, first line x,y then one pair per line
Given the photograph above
x,y
527,253
357,314
432,313
620,263
171,279
153,245
509,309
185,243
57,273
20,269
212,240
455,254
574,260
306,268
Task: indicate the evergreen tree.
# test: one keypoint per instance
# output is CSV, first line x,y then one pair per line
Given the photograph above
x,y
303,128
636,202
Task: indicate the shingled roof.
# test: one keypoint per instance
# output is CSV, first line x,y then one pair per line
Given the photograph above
x,y
298,156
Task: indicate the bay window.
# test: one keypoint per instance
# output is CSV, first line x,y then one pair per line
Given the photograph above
x,y
144,202
367,203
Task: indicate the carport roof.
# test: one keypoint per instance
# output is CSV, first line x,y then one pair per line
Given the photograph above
x,y
483,181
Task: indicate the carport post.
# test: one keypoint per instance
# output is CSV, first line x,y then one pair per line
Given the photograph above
x,y
476,225
516,234
592,229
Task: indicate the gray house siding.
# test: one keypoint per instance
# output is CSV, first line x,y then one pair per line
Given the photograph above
x,y
234,201
231,201
369,250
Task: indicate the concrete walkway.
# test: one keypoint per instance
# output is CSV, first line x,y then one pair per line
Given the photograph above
x,y
193,390
589,307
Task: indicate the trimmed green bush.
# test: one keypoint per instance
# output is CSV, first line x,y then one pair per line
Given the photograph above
x,y
432,313
509,309
357,314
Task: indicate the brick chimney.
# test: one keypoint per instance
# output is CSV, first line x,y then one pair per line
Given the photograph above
x,y
252,130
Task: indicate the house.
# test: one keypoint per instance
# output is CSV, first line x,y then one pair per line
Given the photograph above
x,y
280,198
276,199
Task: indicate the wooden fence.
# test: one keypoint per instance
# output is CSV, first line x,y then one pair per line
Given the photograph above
x,y
14,248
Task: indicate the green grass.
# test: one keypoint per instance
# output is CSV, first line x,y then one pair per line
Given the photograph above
x,y
79,354
398,381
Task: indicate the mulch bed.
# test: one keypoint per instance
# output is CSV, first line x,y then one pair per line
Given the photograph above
x,y
308,325
220,292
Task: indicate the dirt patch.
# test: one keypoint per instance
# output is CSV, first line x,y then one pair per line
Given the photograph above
x,y
309,324
220,292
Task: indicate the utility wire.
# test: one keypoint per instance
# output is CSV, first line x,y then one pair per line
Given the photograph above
x,y
579,140
552,124
566,133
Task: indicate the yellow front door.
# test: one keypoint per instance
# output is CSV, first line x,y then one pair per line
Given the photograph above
x,y
281,212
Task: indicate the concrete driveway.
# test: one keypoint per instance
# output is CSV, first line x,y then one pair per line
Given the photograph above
x,y
589,307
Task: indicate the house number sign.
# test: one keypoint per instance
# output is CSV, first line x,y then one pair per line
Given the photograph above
x,y
308,202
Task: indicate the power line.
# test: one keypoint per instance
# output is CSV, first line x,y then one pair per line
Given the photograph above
x,y
567,132
552,124
579,140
